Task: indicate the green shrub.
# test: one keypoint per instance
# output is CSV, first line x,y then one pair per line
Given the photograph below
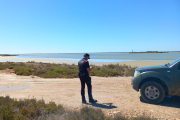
x,y
30,109
26,71
4,65
47,70
11,109
111,70
130,72
86,113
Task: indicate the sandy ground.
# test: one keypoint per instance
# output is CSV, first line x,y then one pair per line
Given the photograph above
x,y
136,63
114,94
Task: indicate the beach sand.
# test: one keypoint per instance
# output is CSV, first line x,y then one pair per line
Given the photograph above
x,y
136,63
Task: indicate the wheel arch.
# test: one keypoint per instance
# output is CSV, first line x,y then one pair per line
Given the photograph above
x,y
153,79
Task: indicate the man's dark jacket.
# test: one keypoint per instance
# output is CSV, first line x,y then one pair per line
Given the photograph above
x,y
83,65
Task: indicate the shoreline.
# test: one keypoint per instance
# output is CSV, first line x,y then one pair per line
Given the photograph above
x,y
135,63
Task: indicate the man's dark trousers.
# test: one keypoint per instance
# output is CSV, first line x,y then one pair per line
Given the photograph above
x,y
88,83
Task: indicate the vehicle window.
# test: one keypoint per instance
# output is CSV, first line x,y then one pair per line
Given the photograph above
x,y
174,62
179,66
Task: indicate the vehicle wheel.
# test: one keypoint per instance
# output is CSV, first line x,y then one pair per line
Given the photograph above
x,y
152,92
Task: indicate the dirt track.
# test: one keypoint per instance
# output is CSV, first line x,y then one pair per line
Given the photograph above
x,y
114,94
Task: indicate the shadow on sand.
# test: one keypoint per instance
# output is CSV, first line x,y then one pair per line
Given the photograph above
x,y
168,101
102,105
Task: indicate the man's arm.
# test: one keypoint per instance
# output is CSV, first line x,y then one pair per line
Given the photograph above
x,y
89,69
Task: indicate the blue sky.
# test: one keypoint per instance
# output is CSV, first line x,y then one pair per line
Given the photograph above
x,y
79,26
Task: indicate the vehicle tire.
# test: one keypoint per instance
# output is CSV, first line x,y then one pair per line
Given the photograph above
x,y
152,92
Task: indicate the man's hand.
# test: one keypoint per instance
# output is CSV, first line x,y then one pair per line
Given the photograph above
x,y
89,69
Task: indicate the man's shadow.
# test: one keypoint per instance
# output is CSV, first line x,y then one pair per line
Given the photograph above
x,y
102,105
168,101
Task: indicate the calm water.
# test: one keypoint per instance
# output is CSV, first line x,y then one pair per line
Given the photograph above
x,y
107,57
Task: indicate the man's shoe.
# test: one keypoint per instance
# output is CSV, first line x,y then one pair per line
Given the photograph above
x,y
84,101
92,101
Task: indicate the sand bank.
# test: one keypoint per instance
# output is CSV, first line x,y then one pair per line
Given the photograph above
x,y
136,63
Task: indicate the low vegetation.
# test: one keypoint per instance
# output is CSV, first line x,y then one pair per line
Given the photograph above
x,y
32,109
11,109
47,70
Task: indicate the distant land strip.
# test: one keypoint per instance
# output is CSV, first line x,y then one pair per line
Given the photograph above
x,y
149,52
8,55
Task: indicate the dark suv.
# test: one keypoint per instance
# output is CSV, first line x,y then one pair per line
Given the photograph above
x,y
156,81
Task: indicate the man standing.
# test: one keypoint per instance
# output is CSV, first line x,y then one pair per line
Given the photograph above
x,y
83,74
